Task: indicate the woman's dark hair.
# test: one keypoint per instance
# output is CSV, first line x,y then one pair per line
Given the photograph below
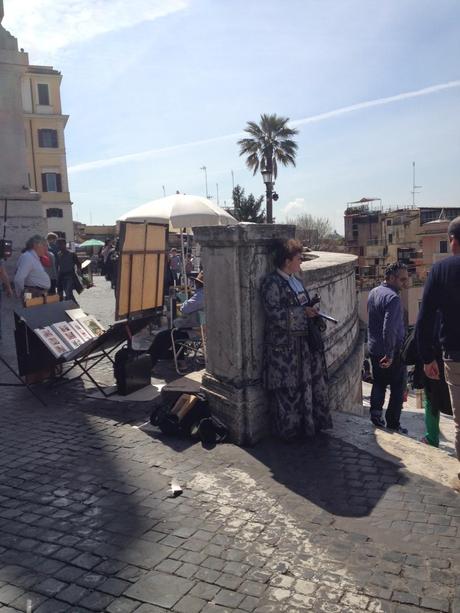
x,y
285,250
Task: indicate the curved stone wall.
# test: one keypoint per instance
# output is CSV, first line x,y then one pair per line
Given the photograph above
x,y
332,275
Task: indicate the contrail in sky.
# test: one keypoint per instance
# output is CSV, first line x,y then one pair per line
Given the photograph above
x,y
131,157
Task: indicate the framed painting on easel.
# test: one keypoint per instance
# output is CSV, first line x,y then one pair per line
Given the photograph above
x,y
141,269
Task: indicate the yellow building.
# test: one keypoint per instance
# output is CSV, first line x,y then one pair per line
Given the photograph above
x,y
46,156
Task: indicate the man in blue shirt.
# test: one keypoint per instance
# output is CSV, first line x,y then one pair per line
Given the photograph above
x,y
386,332
442,292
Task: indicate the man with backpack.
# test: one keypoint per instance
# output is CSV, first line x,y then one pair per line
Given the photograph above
x,y
386,332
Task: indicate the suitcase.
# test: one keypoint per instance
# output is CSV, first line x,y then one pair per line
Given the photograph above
x,y
132,371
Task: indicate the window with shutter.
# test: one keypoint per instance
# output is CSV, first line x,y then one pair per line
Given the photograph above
x,y
47,138
43,94
54,213
51,182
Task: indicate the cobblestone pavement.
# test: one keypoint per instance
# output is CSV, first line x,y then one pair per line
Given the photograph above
x,y
87,522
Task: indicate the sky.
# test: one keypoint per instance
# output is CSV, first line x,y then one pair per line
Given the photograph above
x,y
156,90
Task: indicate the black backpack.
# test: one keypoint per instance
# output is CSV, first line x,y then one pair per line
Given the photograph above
x,y
409,352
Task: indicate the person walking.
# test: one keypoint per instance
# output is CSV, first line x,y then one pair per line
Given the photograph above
x,y
175,263
66,263
442,292
386,332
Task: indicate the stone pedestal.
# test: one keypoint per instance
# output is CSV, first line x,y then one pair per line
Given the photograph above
x,y
235,258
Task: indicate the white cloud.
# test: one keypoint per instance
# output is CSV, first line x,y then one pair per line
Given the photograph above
x,y
293,207
425,91
44,26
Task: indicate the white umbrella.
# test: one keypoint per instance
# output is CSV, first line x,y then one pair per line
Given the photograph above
x,y
195,211
182,211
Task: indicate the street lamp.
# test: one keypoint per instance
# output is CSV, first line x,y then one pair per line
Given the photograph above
x,y
267,177
205,179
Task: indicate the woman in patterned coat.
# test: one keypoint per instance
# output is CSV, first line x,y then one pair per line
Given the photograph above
x,y
294,365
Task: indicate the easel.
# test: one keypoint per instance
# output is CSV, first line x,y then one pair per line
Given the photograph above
x,y
34,355
98,349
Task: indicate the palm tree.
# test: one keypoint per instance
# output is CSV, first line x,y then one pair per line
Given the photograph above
x,y
270,143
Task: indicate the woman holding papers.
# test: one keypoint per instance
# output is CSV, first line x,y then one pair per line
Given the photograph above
x,y
294,364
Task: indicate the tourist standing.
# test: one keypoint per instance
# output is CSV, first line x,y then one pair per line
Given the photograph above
x,y
386,332
30,275
175,264
442,292
294,364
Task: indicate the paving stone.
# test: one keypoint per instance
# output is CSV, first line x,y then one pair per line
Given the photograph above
x,y
28,598
159,589
9,593
207,574
73,593
435,604
50,587
96,601
252,588
405,598
114,586
53,606
184,570
190,604
123,605
227,598
206,591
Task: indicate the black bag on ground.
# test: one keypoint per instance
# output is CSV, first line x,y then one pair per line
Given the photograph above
x,y
132,371
180,414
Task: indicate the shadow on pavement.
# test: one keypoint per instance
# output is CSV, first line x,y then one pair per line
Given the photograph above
x,y
332,474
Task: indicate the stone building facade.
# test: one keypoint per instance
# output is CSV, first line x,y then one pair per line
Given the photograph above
x,y
33,171
21,212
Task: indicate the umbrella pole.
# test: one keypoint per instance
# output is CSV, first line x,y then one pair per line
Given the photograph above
x,y
184,274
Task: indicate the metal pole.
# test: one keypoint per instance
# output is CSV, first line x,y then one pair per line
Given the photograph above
x,y
269,201
217,192
233,181
164,191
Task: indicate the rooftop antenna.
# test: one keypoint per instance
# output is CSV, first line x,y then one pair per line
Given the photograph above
x,y
414,187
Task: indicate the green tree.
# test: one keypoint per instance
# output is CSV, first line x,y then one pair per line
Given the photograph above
x,y
269,143
247,208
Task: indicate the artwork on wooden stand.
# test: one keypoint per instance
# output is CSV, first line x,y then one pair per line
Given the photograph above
x,y
54,343
80,330
76,314
141,268
68,334
92,325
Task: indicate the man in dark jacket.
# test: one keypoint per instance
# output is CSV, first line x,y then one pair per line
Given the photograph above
x,y
442,291
386,332
66,263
